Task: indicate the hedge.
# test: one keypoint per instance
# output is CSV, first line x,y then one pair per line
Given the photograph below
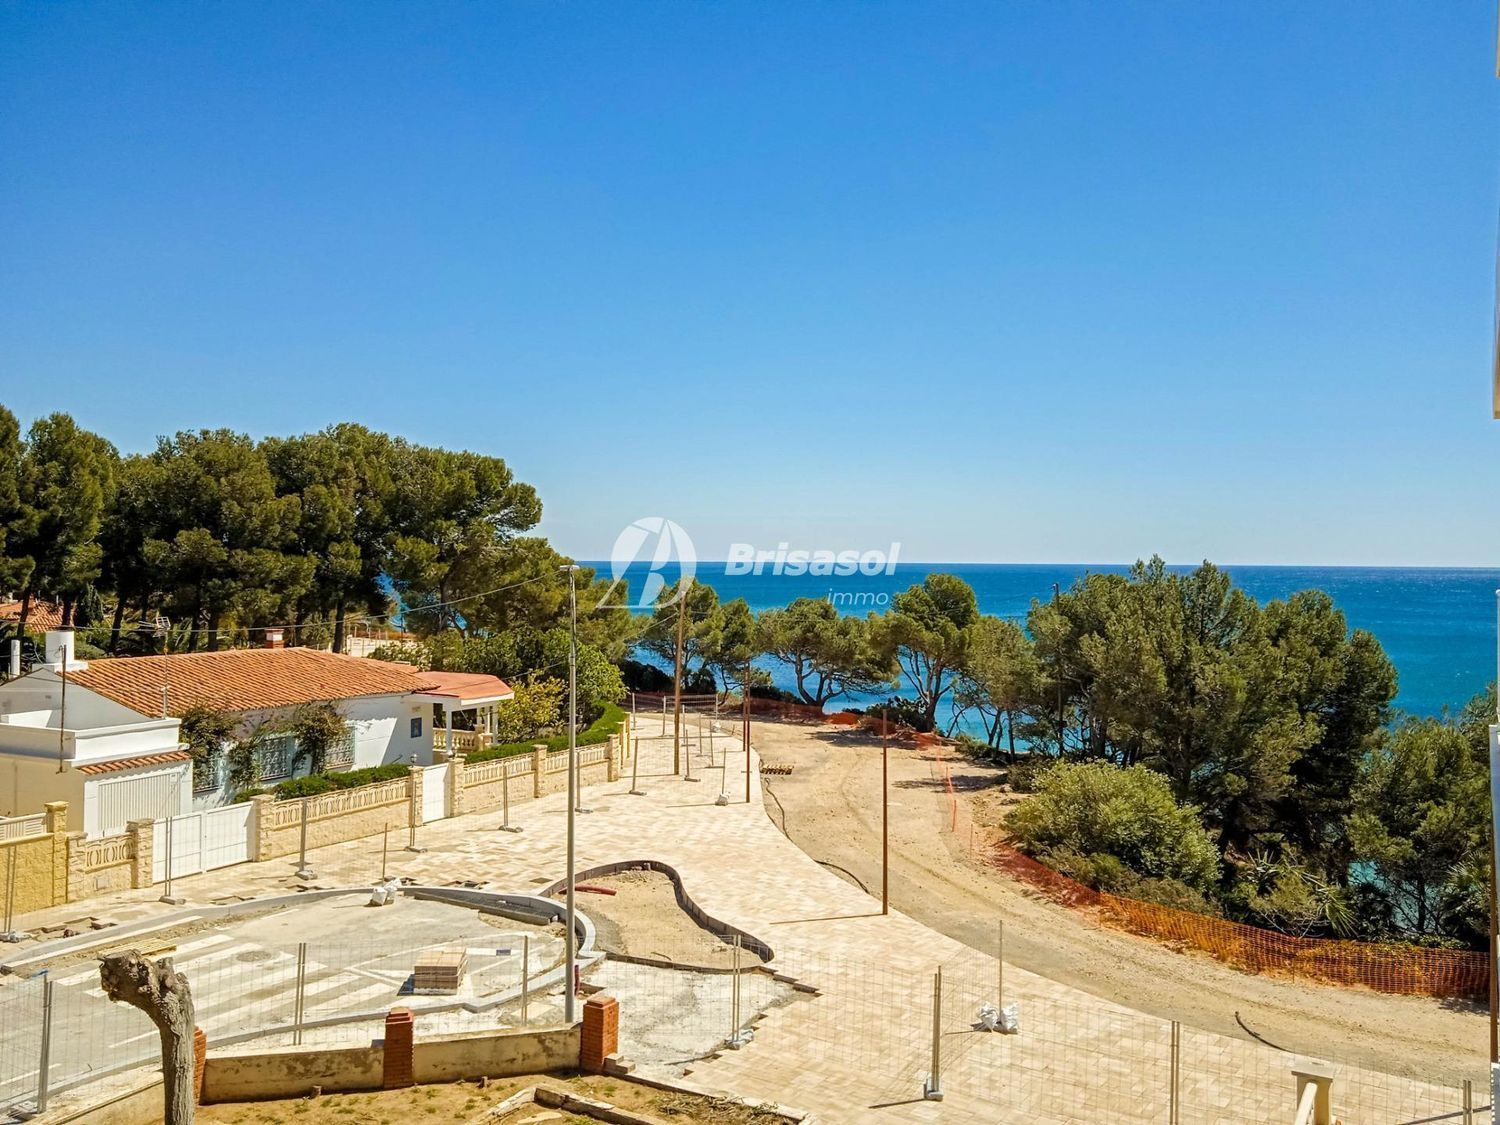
x,y
315,783
596,732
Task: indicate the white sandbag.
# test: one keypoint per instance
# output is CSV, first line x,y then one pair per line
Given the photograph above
x,y
1006,1020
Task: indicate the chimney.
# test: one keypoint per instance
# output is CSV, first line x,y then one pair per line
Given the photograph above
x,y
58,648
273,638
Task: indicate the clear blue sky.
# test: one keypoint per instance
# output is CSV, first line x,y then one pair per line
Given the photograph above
x,y
1006,282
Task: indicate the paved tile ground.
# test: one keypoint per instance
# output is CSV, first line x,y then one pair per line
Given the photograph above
x,y
861,1048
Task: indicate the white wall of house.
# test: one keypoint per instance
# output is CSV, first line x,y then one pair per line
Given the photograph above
x,y
382,731
35,700
36,737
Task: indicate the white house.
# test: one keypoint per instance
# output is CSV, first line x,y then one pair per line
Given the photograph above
x,y
104,735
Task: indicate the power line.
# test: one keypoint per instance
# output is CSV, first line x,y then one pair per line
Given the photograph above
x,y
363,619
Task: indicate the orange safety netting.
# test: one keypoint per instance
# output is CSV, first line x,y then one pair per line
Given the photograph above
x,y
1401,969
1406,970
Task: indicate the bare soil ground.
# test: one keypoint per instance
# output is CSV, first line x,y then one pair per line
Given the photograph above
x,y
467,1101
829,805
642,918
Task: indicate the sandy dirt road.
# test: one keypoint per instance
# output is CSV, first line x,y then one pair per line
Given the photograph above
x,y
830,807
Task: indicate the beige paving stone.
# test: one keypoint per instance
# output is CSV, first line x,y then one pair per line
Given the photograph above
x,y
860,1050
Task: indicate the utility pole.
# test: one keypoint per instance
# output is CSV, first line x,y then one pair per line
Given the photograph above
x,y
885,818
62,715
570,939
1494,852
745,703
1056,592
684,584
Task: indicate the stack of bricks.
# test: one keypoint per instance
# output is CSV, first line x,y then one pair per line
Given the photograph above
x,y
440,972
397,1061
601,1033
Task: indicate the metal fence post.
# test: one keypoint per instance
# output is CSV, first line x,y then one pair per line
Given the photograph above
x,y
1468,1102
44,1063
1000,964
1174,1076
505,824
525,976
301,993
736,1039
303,871
10,893
932,1090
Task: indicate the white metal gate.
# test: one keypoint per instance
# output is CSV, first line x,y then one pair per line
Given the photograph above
x,y
434,793
202,841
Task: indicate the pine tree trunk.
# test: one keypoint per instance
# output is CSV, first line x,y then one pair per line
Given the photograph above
x,y
163,994
119,623
338,628
25,611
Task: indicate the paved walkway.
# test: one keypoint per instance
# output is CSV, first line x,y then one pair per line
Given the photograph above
x,y
861,1049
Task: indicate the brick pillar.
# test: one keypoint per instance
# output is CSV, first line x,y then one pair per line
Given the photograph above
x,y
397,1064
601,1033
57,816
200,1061
260,830
456,785
612,760
56,822
77,876
538,765
143,835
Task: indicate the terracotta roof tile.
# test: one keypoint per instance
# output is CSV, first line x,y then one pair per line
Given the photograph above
x,y
44,615
466,685
132,763
244,679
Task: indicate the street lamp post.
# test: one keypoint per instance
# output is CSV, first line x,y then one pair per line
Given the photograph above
x,y
570,953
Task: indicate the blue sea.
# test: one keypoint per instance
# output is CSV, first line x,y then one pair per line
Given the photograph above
x,y
1436,625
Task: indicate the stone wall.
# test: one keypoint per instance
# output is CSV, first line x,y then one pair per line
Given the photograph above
x,y
332,818
238,1075
34,869
97,867
55,866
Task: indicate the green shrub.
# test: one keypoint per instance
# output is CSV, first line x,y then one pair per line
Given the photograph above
x,y
596,732
902,712
1025,774
315,783
1101,819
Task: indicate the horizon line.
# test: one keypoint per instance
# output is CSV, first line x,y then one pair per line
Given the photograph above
x,y
1222,566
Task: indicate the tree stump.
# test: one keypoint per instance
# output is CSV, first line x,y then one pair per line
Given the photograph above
x,y
162,993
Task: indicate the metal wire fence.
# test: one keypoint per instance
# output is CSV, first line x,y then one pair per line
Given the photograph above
x,y
887,1034
883,1033
307,993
